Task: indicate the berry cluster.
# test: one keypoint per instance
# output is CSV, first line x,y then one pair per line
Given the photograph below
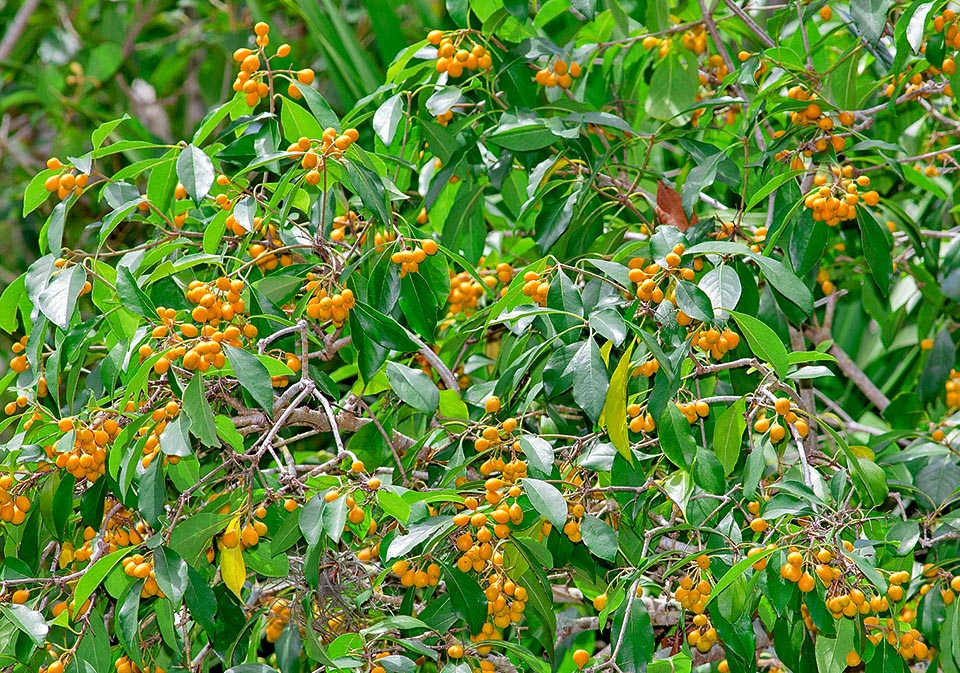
x,y
952,387
66,182
327,305
89,453
278,619
714,343
835,198
13,507
782,408
558,74
640,421
257,83
313,155
457,53
142,568
410,259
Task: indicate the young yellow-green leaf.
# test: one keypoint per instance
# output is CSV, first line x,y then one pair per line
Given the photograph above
x,y
232,568
764,342
615,406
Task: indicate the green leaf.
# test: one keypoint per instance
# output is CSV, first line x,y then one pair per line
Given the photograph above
x,y
172,573
318,106
94,576
728,435
631,628
35,194
763,342
253,376
673,87
610,325
693,301
708,472
590,381
132,297
599,537
547,500
936,368
676,437
53,241
413,387
387,118
382,329
105,129
832,653
785,282
9,300
615,406
870,18
58,301
877,246
195,533
29,621
538,452
564,296
297,123
466,597
369,187
195,171
195,404
419,304
722,285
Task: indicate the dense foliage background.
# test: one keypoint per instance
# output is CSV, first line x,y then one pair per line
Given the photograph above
x,y
479,336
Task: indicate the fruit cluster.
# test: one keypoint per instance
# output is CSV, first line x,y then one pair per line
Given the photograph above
x,y
142,568
703,635
465,290
125,665
19,362
458,53
783,408
313,156
410,259
814,115
694,589
411,576
13,508
122,530
506,602
89,453
66,182
200,347
952,387
640,421
826,285
693,410
327,305
257,83
835,197
536,287
277,620
714,343
246,536
151,446
650,277
341,223
559,73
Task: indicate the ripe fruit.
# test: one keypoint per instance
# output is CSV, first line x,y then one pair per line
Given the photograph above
x,y
600,602
455,652
492,404
580,658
